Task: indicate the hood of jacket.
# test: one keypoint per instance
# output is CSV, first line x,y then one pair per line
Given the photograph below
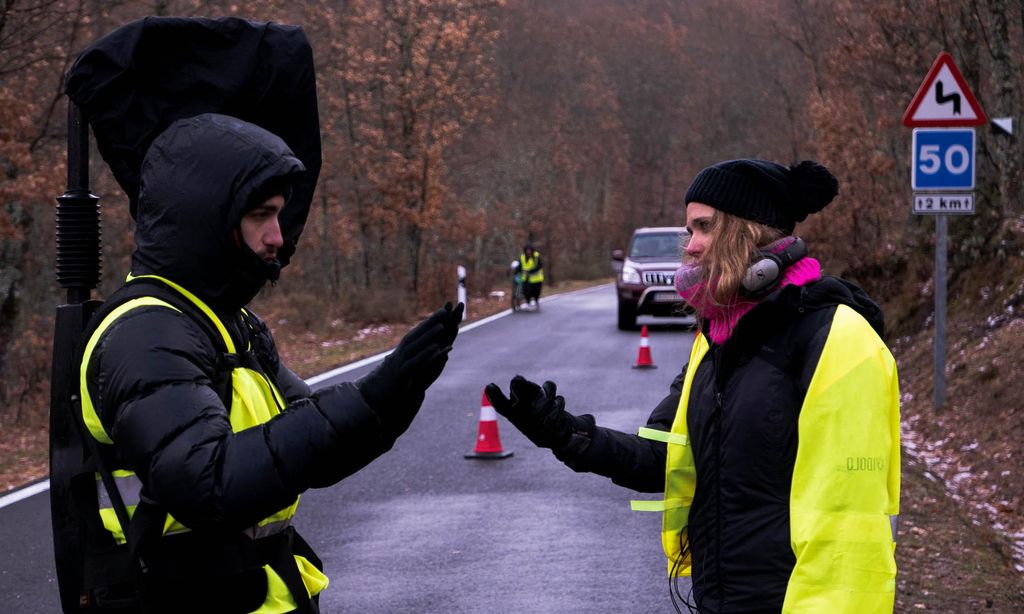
x,y
198,179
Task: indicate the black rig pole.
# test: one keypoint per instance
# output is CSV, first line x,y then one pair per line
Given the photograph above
x,y
78,218
78,271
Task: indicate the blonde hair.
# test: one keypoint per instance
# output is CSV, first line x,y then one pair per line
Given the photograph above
x,y
735,244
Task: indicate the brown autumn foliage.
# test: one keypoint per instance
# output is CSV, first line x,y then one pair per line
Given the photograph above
x,y
454,130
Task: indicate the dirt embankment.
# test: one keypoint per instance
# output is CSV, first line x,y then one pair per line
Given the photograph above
x,y
961,544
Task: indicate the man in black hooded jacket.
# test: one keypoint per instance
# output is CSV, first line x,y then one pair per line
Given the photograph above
x,y
210,437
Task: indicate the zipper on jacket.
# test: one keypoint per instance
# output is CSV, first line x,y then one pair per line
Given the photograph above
x,y
717,418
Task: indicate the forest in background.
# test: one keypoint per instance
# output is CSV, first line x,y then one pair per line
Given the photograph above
x,y
453,130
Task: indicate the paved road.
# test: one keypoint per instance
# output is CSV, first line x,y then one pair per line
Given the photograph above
x,y
422,529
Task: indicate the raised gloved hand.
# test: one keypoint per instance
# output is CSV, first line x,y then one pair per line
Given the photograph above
x,y
539,412
395,389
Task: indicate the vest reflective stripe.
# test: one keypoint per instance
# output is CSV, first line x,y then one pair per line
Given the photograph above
x,y
659,505
128,486
680,472
272,527
526,264
89,415
846,478
663,436
642,505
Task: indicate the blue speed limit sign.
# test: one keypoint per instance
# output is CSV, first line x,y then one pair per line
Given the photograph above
x,y
943,159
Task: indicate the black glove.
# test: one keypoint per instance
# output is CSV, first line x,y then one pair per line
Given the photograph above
x,y
395,389
538,412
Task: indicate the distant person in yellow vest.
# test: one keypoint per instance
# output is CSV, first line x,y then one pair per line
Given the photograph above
x,y
532,270
778,446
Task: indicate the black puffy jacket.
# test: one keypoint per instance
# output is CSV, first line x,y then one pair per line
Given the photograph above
x,y
152,375
744,453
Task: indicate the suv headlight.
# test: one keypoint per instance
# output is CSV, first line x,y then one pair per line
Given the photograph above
x,y
630,275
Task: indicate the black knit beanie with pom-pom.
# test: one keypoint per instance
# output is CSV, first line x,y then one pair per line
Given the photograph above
x,y
765,192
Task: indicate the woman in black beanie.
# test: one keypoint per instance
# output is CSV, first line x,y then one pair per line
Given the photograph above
x,y
777,447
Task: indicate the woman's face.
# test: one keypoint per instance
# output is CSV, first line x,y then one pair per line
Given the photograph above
x,y
699,219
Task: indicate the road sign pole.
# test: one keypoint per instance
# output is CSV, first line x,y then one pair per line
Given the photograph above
x,y
939,377
942,160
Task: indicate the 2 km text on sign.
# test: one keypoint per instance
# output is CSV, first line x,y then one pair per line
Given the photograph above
x,y
944,204
943,159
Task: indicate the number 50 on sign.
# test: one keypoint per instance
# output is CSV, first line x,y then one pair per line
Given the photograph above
x,y
943,159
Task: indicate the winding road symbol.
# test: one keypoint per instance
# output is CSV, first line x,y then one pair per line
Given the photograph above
x,y
953,97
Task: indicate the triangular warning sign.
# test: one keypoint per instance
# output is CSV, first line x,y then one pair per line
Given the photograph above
x,y
944,100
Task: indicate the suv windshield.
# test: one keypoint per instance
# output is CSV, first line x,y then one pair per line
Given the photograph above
x,y
664,246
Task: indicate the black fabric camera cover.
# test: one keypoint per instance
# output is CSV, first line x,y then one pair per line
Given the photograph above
x,y
134,82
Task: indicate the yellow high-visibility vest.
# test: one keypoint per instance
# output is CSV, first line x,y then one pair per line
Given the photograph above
x,y
254,401
846,478
527,265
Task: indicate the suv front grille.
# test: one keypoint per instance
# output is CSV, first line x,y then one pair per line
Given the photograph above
x,y
658,278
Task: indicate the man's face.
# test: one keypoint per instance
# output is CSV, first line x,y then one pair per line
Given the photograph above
x,y
261,229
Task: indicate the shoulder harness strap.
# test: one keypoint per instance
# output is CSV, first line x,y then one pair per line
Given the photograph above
x,y
140,291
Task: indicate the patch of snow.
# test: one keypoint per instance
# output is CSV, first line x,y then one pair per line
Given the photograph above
x,y
372,330
960,477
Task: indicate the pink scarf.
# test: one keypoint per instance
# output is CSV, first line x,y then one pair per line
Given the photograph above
x,y
722,319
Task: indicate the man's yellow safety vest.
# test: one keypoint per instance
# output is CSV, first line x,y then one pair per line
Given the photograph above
x,y
254,400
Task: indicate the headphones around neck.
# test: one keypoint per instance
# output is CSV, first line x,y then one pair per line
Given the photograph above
x,y
765,273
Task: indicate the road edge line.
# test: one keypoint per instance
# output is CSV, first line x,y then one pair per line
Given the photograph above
x,y
25,492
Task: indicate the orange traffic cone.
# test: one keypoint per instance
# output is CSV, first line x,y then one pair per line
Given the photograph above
x,y
488,444
643,360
